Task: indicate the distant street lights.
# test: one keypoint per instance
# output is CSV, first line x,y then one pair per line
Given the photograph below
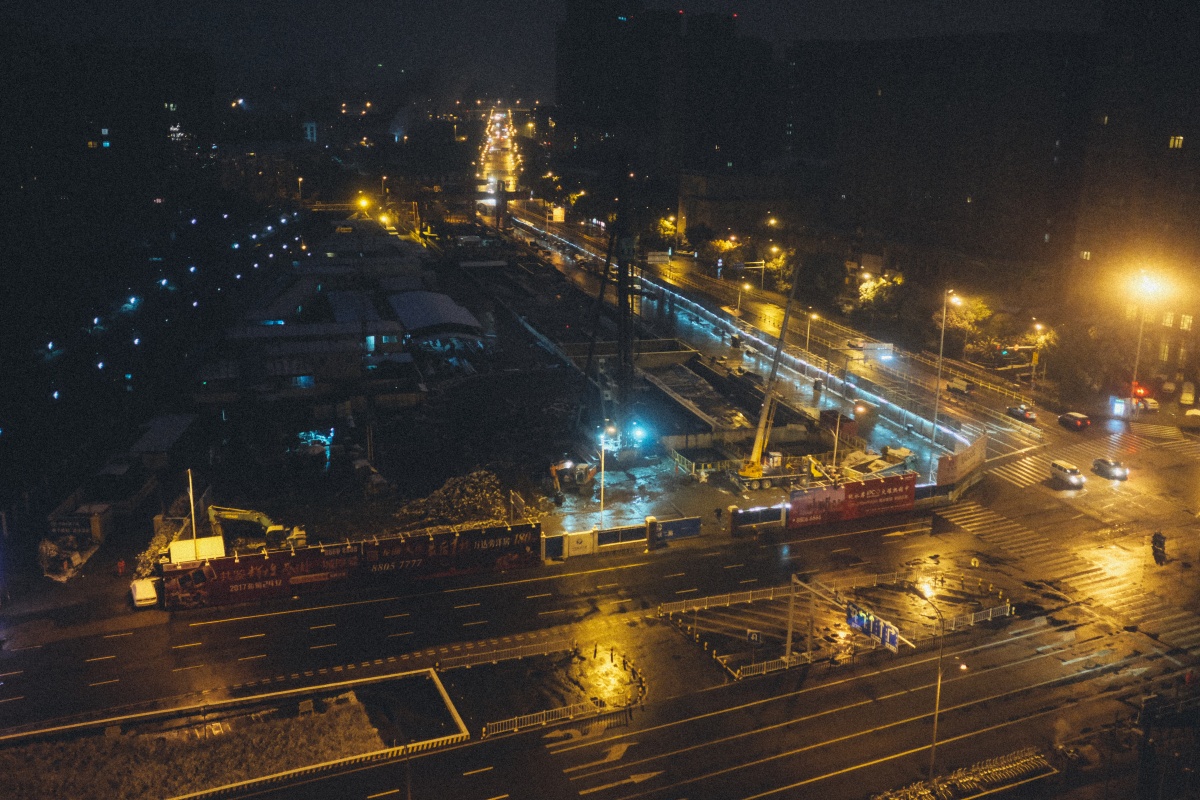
x,y
1037,345
948,296
299,189
808,336
382,187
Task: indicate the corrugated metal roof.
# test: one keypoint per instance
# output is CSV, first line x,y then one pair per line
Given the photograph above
x,y
420,312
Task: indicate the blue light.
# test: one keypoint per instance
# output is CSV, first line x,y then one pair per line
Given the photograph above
x,y
100,365
50,346
236,245
195,304
238,276
193,220
95,320
128,376
223,216
163,282
55,394
192,268
137,341
254,236
270,228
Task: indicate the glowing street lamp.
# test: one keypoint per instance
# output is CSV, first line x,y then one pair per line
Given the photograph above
x,y
1146,287
299,188
609,431
947,297
924,593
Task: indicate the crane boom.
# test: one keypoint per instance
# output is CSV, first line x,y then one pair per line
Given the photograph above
x,y
752,466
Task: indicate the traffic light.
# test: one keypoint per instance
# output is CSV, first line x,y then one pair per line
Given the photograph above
x,y
1138,390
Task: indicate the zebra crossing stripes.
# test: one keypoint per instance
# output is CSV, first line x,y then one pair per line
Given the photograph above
x,y
1156,430
995,529
1034,469
1185,447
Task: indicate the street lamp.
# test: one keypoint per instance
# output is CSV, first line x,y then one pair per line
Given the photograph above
x,y
299,189
382,188
808,336
1146,288
609,431
1037,345
746,287
947,297
923,593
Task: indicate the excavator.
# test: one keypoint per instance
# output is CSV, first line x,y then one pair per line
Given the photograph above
x,y
751,474
572,474
274,533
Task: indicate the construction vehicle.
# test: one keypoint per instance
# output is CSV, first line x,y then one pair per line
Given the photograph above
x,y
753,473
574,475
266,528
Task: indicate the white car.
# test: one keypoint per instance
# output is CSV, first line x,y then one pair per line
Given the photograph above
x,y
1187,395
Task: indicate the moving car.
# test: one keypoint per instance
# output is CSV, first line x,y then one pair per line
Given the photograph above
x,y
1068,473
1074,421
1110,468
960,386
855,344
1148,404
1022,412
144,592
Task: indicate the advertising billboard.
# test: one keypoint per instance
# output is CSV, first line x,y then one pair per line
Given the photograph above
x,y
283,573
847,501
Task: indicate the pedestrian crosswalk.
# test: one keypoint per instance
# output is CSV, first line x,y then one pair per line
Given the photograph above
x,y
1113,587
1035,468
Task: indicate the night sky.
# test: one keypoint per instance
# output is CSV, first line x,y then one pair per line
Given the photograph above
x,y
480,45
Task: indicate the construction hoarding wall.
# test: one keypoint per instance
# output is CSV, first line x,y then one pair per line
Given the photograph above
x,y
283,573
954,468
853,500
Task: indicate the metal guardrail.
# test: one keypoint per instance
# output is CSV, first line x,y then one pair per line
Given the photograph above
x,y
719,600
995,774
507,654
774,665
540,718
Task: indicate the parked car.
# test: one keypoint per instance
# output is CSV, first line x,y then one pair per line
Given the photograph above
x,y
1191,420
1187,395
1148,404
1074,421
1110,468
1022,412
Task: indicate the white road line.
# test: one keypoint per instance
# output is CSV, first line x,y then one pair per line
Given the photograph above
x,y
189,644
193,666
749,580
676,575
117,635
480,622
252,658
607,585
393,635
388,793
738,566
290,611
321,627
252,636
556,611
102,683
477,771
467,605
10,674
535,597
687,591
322,646
396,616
10,699
100,658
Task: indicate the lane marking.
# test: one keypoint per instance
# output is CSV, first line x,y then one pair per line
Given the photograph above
x,y
499,797
322,646
388,793
117,635
102,683
252,636
99,658
676,575
607,585
739,566
10,699
321,627
189,644
749,580
477,771
396,616
181,669
687,591
252,658
10,674
534,597
543,578
406,633
469,624
556,611
466,605
290,611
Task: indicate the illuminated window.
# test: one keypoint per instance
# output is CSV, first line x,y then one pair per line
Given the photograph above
x,y
1086,255
1168,319
1176,143
1164,351
1185,322
1182,358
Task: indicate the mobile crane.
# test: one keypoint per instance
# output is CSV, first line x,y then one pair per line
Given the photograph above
x,y
752,474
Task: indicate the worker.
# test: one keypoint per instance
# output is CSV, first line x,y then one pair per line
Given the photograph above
x,y
120,567
718,511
